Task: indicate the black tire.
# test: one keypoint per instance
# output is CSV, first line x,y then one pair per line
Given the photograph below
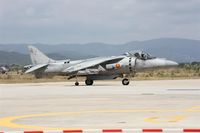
x,y
76,83
89,82
125,81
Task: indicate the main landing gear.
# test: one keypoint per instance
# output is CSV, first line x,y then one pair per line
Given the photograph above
x,y
87,82
125,81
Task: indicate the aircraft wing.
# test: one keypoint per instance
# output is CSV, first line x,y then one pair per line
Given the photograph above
x,y
92,62
36,68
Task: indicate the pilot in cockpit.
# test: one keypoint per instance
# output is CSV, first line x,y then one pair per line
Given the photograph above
x,y
140,55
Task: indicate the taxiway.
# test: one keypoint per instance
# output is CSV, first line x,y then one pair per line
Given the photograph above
x,y
142,104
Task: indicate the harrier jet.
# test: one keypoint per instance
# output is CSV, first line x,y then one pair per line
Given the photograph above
x,y
99,68
4,70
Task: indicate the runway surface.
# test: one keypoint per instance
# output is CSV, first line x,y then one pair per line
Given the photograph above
x,y
142,104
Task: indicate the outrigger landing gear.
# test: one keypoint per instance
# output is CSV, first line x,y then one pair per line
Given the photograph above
x,y
89,82
77,83
125,81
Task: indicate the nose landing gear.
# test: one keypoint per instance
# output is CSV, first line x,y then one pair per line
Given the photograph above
x,y
125,81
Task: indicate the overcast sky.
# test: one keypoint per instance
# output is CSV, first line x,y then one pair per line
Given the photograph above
x,y
109,21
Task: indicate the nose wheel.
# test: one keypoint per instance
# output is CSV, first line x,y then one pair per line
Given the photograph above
x,y
125,81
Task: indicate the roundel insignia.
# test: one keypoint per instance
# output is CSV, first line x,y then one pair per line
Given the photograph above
x,y
117,66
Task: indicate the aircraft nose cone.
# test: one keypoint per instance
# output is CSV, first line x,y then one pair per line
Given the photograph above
x,y
164,63
171,63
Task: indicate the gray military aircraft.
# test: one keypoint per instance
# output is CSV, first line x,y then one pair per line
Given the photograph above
x,y
4,69
99,68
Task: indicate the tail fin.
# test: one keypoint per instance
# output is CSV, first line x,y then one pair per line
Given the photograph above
x,y
37,57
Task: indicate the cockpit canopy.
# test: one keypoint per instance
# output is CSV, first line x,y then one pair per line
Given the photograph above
x,y
140,55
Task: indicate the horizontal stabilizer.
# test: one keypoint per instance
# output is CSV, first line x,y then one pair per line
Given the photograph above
x,y
36,68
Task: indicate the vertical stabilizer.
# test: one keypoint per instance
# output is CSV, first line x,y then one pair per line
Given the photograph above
x,y
37,57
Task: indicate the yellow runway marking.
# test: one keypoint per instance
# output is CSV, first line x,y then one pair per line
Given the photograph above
x,y
194,109
10,121
172,119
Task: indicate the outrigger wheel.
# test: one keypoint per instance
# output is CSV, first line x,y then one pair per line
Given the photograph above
x,y
125,81
77,83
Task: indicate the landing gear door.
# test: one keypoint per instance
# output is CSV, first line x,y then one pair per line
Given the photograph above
x,y
132,64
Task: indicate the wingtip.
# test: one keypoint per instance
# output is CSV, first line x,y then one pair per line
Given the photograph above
x,y
27,71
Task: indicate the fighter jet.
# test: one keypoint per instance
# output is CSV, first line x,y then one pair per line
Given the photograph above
x,y
4,70
99,68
